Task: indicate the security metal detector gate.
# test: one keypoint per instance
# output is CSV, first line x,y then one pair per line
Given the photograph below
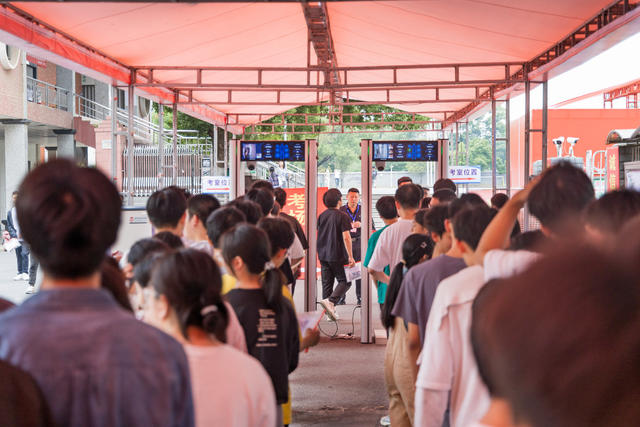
x,y
248,153
382,152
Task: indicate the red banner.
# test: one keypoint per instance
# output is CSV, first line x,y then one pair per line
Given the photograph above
x,y
613,168
295,207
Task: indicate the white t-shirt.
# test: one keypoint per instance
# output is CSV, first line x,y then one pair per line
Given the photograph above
x,y
388,250
202,245
500,264
235,333
448,363
230,388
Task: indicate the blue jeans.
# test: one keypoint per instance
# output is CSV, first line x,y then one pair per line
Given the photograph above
x,y
22,256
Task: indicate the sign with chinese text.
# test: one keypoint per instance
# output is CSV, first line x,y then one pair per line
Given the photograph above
x,y
465,174
613,168
216,184
295,207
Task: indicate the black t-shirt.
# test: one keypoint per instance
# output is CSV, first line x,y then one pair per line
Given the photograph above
x,y
271,337
331,224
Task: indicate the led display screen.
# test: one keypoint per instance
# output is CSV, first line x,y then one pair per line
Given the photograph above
x,y
405,151
272,150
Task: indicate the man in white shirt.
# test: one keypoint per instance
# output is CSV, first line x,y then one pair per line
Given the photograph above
x,y
448,371
388,251
557,198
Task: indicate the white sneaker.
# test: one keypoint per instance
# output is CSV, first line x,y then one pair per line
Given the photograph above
x,y
30,290
25,276
18,277
330,309
385,421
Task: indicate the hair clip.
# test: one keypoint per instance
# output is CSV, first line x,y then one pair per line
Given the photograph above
x,y
208,310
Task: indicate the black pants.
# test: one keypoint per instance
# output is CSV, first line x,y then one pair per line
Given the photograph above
x,y
357,257
33,269
331,271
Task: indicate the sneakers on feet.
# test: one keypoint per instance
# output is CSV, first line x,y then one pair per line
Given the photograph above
x,y
25,276
385,421
329,309
30,290
18,277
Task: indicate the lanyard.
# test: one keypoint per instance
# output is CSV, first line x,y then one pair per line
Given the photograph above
x,y
354,216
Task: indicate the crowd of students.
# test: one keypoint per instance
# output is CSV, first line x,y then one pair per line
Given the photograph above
x,y
487,326
192,326
490,326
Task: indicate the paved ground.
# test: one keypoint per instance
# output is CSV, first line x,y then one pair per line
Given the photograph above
x,y
340,382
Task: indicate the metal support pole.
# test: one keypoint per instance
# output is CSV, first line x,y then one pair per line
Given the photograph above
x,y
507,145
443,160
545,100
174,172
130,136
527,139
237,172
466,145
311,214
114,137
161,159
366,324
493,145
226,148
457,143
214,153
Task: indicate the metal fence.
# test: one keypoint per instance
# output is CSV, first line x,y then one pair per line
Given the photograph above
x,y
148,175
47,94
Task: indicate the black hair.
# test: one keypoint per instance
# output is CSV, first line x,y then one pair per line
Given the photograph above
x,y
470,223
444,196
262,197
560,197
112,279
473,199
386,207
69,216
353,190
588,377
425,203
142,270
408,196
251,210
191,282
166,207
202,205
610,212
331,198
279,232
281,196
222,220
251,244
419,218
531,241
444,183
262,184
433,220
414,248
404,179
170,239
499,200
144,247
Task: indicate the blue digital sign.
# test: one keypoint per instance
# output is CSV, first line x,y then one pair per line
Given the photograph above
x,y
405,151
272,151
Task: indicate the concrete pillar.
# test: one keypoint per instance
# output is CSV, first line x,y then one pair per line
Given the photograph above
x,y
15,156
66,143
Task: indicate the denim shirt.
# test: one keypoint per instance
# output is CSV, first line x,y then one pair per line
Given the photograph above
x,y
95,363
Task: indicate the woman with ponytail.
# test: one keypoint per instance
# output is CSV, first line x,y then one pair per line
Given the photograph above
x,y
400,376
269,321
229,387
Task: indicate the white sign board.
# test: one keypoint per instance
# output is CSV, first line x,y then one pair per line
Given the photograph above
x,y
465,174
216,185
